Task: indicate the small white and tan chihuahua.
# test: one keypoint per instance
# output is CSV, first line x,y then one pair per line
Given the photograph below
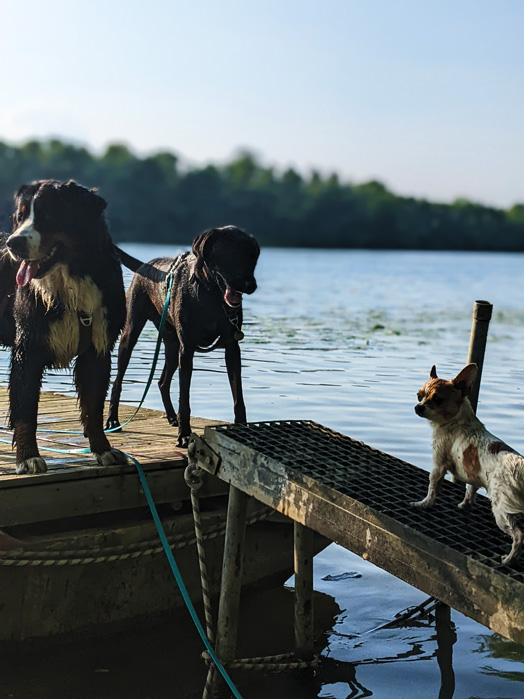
x,y
464,447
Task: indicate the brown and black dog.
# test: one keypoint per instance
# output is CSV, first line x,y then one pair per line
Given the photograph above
x,y
63,297
205,312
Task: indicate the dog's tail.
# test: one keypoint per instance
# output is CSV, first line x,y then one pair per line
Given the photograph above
x,y
127,260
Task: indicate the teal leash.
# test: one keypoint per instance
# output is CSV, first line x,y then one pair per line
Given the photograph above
x,y
180,582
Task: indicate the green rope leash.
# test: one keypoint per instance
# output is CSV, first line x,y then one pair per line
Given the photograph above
x,y
176,572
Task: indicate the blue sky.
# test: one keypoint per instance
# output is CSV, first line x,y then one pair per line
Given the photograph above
x,y
427,97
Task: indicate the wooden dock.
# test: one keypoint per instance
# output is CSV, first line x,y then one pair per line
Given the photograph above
x,y
359,497
75,484
79,553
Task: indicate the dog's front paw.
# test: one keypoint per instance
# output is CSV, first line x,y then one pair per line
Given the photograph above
x,y
33,465
465,505
172,419
113,425
183,441
421,504
111,458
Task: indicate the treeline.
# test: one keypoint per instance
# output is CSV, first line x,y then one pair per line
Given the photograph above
x,y
154,199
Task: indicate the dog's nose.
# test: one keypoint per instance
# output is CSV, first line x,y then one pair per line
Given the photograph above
x,y
419,409
18,245
250,286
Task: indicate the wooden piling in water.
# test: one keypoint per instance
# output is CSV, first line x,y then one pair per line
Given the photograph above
x,y
477,344
229,603
477,349
304,617
446,637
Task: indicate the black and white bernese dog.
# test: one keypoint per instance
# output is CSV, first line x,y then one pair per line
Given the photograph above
x,y
62,298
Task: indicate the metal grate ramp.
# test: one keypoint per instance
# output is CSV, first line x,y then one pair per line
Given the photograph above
x,y
359,497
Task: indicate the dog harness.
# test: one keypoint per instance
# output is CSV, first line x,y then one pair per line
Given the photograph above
x,y
85,331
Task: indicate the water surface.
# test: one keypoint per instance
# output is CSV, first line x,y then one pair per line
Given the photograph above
x,y
347,338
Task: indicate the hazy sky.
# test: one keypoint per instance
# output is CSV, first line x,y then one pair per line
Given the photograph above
x,y
425,95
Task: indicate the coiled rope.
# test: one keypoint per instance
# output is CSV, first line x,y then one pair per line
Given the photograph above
x,y
109,554
194,477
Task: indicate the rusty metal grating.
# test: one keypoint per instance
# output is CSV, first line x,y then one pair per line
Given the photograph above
x,y
381,482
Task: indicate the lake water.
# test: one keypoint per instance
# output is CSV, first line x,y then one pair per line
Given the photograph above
x,y
347,338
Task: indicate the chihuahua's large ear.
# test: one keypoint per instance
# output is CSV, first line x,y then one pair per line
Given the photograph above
x,y
433,372
465,379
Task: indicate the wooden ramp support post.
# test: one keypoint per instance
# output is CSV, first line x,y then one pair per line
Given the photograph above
x,y
477,344
481,316
446,637
229,603
304,592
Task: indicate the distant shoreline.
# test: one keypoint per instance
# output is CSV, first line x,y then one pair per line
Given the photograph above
x,y
152,199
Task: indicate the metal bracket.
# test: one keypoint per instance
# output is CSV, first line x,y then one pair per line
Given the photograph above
x,y
200,454
85,319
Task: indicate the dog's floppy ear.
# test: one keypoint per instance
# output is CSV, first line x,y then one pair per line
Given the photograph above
x,y
433,372
26,191
29,189
465,379
89,200
198,249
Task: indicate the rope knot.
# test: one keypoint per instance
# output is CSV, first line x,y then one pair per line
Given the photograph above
x,y
194,477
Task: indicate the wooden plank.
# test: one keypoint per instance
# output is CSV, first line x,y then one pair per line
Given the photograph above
x,y
75,484
44,500
483,593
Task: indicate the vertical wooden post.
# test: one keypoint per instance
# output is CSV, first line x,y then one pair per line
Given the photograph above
x,y
477,344
446,637
445,634
303,591
228,610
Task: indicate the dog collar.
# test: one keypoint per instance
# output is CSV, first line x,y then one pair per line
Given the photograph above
x,y
234,319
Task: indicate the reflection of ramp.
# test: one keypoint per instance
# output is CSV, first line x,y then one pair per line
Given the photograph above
x,y
358,497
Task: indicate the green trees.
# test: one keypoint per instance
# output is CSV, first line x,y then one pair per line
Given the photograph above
x,y
154,199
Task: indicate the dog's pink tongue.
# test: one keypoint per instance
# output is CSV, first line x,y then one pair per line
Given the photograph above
x,y
26,272
232,297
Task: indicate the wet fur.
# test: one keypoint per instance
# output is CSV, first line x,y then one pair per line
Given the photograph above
x,y
198,315
7,294
463,446
82,278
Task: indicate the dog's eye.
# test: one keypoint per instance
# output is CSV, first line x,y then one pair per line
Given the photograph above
x,y
437,400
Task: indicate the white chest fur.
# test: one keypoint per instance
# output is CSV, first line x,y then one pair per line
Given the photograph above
x,y
79,295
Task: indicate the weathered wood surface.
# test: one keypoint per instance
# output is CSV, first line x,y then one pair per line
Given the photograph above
x,y
75,484
429,556
101,565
